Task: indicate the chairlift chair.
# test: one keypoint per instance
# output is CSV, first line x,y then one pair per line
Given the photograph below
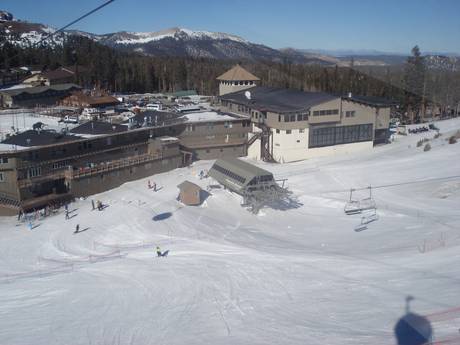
x,y
356,206
369,217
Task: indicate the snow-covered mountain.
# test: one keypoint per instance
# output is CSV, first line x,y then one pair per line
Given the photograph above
x,y
195,43
27,34
170,42
198,43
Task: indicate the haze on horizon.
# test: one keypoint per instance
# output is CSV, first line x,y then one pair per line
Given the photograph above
x,y
361,26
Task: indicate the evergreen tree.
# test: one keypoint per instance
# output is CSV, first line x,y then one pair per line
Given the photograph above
x,y
414,82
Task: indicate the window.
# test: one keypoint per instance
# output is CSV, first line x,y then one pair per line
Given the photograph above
x,y
34,172
4,160
350,113
2,177
279,118
288,131
301,130
228,124
277,131
60,165
326,112
328,136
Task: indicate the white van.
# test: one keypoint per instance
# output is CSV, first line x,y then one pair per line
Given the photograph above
x,y
154,106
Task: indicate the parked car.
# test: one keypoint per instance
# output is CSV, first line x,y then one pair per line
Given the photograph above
x,y
70,119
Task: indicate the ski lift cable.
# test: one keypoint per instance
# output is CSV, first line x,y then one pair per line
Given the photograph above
x,y
66,26
74,21
395,184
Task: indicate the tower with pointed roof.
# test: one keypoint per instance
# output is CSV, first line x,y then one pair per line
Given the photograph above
x,y
236,79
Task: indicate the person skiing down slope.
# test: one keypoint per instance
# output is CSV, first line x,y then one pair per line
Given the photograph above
x,y
158,251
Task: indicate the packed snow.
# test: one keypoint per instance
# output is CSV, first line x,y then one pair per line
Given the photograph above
x,y
292,275
19,120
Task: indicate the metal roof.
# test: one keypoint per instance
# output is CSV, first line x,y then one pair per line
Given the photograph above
x,y
235,173
40,89
377,102
237,73
98,127
278,100
33,138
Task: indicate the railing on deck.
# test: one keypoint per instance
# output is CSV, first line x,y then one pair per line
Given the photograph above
x,y
111,165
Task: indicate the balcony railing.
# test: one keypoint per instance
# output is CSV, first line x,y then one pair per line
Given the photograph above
x,y
27,182
111,166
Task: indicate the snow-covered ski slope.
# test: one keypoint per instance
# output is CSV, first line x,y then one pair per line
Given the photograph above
x,y
292,276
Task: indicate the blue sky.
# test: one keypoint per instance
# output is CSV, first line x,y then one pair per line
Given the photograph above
x,y
384,25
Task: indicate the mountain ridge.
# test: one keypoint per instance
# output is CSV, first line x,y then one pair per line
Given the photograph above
x,y
183,42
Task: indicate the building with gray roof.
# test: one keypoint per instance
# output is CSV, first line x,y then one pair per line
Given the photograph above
x,y
35,95
292,125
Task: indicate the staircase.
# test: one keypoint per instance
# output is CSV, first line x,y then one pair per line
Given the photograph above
x,y
9,202
265,139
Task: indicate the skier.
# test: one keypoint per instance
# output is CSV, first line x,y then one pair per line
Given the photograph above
x,y
19,215
67,214
201,174
66,207
159,251
77,229
30,226
154,186
149,185
92,204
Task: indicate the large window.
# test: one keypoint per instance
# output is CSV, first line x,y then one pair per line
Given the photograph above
x,y
326,112
328,136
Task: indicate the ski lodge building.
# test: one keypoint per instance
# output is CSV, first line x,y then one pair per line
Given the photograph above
x,y
291,125
42,167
